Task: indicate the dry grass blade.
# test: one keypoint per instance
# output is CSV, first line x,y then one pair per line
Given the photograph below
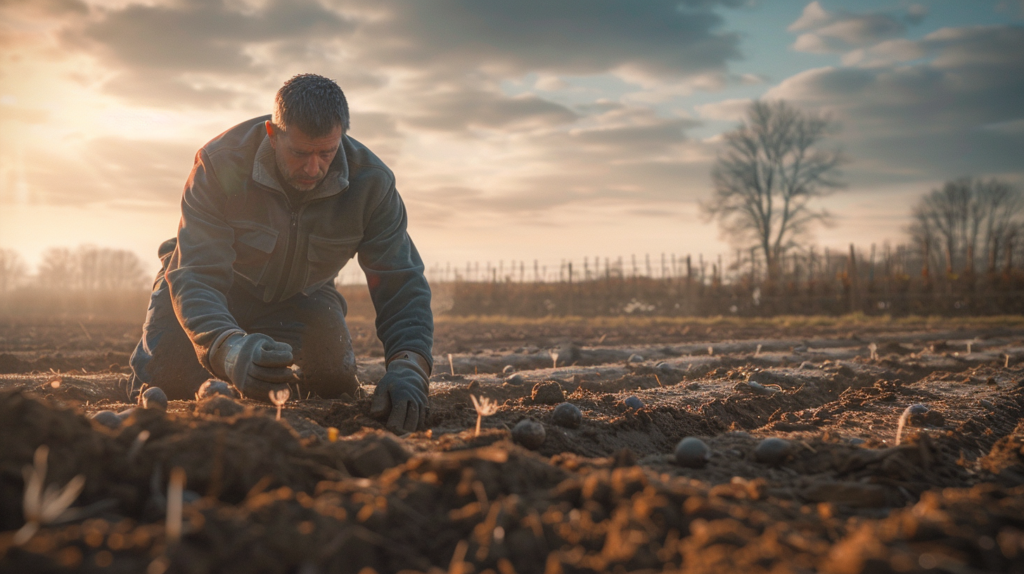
x,y
175,502
44,506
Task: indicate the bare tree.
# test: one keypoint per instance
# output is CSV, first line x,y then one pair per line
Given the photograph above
x,y
12,270
767,176
966,218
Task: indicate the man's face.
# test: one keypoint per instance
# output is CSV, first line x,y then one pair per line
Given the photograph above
x,y
302,160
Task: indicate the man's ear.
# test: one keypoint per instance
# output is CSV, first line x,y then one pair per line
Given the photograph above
x,y
272,131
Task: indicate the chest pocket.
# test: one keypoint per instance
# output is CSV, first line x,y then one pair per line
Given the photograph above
x,y
254,244
327,255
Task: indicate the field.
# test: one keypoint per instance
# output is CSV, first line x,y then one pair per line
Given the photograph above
x,y
847,492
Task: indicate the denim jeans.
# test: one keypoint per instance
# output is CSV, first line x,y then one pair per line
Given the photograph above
x,y
314,326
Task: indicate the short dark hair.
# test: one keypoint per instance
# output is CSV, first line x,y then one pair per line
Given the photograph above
x,y
312,103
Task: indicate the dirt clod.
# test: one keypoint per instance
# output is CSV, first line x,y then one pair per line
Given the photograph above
x,y
218,405
107,418
691,452
215,387
567,415
529,433
633,403
772,451
547,393
153,398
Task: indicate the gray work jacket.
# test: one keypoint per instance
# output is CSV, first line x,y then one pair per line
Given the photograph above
x,y
238,225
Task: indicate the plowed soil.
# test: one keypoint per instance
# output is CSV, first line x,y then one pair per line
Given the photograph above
x,y
860,483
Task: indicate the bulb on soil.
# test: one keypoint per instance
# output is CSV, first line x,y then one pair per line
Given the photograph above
x,y
108,419
691,452
567,415
773,451
633,403
154,398
508,370
214,387
515,379
529,433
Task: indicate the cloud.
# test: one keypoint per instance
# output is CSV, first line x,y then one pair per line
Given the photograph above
x,y
186,52
568,37
731,110
463,109
12,112
110,169
932,118
826,32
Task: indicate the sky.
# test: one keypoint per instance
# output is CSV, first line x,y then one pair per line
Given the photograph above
x,y
543,130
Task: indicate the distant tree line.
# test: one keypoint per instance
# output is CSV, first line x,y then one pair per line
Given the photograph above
x,y
86,268
968,225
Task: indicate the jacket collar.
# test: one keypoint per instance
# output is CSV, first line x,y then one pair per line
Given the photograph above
x,y
263,170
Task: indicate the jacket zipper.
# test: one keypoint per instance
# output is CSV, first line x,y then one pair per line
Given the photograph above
x,y
293,237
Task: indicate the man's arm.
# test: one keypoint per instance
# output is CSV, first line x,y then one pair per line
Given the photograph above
x,y
398,288
200,270
401,296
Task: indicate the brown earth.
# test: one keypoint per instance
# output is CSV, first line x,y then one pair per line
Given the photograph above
x,y
261,495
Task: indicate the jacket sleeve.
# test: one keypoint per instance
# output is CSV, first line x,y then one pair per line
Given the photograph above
x,y
200,270
394,275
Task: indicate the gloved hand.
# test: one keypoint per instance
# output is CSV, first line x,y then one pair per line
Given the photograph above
x,y
256,364
401,394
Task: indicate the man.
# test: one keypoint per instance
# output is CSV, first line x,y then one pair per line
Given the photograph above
x,y
273,209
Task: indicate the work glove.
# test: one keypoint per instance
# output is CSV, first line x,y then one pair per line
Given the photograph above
x,y
401,395
256,364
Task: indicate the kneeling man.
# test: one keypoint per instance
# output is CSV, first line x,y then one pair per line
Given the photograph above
x,y
273,209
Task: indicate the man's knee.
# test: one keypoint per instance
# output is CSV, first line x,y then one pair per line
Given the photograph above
x,y
325,355
165,357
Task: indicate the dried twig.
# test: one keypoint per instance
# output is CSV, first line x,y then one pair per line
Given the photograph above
x,y
175,502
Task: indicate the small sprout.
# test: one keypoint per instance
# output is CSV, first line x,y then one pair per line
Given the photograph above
x,y
711,350
758,351
1006,364
485,407
451,363
909,412
279,398
873,349
554,360
44,506
969,344
175,501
